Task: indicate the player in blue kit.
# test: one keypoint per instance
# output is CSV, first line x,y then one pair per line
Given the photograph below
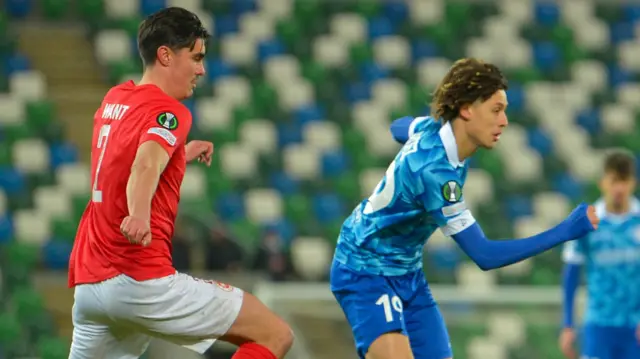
x,y
611,256
377,275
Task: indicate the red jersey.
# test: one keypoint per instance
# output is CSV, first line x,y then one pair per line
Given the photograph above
x,y
129,116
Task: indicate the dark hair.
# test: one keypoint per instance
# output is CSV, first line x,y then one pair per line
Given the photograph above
x,y
174,27
621,163
467,81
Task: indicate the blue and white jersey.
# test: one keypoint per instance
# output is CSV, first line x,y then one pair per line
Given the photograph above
x,y
612,259
420,192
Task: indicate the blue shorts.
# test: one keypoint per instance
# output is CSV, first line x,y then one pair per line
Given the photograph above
x,y
376,304
609,342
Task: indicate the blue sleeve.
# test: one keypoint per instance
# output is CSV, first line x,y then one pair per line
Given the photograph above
x,y
570,282
400,129
488,254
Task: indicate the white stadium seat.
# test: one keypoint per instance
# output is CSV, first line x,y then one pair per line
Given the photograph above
x,y
28,85
121,9
194,184
238,161
259,135
276,9
471,279
367,113
31,226
390,93
281,70
191,5
12,110
238,49
301,161
392,52
551,207
296,94
350,27
508,329
52,202
234,90
423,12
263,205
311,257
74,178
31,156
257,26
431,71
214,114
113,45
331,51
323,135
482,348
369,179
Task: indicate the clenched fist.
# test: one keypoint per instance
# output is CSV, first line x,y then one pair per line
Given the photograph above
x,y
202,150
136,230
593,218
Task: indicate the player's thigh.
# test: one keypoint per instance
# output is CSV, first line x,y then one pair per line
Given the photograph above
x,y
373,311
392,345
598,343
96,337
179,308
427,331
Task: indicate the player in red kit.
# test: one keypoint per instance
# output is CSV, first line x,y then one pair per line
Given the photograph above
x,y
126,289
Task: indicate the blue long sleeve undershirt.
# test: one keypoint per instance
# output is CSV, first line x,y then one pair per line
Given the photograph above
x,y
570,283
491,254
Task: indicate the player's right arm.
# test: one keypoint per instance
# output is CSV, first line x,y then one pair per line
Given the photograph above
x,y
456,221
157,142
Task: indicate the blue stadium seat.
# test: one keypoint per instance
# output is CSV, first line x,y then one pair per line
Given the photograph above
x,y
284,183
547,13
11,180
269,48
308,113
569,186
226,24
358,91
18,8
289,133
421,49
6,229
396,11
328,208
64,153
56,253
518,206
379,27
546,56
371,72
540,141
218,68
589,119
148,7
334,164
230,206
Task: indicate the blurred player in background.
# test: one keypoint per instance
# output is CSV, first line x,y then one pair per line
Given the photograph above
x,y
611,256
126,289
377,272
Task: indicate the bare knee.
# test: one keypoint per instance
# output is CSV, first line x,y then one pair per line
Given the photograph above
x,y
257,323
390,346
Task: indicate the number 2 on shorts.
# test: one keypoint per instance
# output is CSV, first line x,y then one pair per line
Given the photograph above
x,y
103,137
388,303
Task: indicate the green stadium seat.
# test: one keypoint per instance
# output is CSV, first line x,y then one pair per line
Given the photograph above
x,y
12,340
297,208
55,9
368,9
53,348
360,53
91,10
6,157
122,67
40,113
247,232
64,229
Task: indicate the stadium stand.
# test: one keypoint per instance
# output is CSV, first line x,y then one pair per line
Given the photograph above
x,y
297,99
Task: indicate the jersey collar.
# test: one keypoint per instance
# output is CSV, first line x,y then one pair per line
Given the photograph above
x,y
450,147
601,210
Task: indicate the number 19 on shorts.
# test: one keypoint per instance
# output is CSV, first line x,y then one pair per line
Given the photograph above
x,y
389,305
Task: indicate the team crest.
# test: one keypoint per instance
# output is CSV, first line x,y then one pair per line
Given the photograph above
x,y
451,192
224,286
167,120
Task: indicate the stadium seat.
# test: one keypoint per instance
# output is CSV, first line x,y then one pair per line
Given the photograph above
x,y
310,257
112,46
32,226
264,206
52,202
483,347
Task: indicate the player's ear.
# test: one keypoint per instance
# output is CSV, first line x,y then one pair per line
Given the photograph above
x,y
466,112
164,55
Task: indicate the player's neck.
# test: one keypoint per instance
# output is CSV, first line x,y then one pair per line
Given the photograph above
x,y
152,76
620,209
466,147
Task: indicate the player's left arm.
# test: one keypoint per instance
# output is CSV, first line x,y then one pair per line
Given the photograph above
x,y
456,221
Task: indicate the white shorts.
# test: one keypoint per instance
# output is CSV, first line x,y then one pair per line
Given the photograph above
x,y
118,317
